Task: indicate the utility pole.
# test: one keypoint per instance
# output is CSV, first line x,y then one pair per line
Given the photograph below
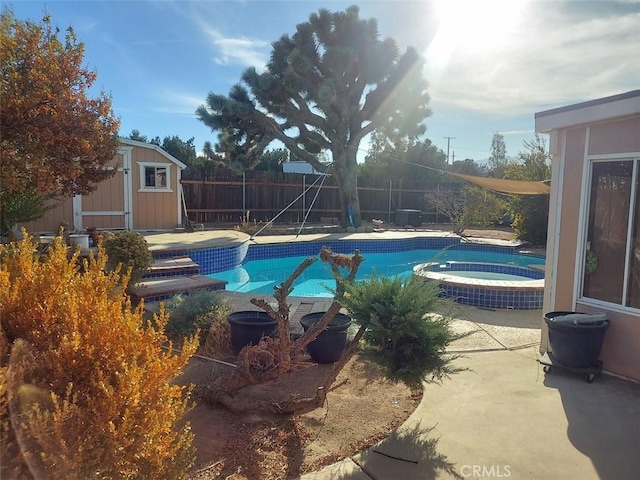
x,y
448,142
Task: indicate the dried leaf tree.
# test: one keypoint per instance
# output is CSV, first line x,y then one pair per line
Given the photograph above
x,y
406,323
274,357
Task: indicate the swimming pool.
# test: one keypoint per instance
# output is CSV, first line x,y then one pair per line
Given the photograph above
x,y
260,273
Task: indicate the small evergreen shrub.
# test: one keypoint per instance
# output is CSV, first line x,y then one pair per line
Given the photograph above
x,y
85,382
130,250
195,312
408,326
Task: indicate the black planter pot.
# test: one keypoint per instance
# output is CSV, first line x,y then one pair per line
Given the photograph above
x,y
248,327
575,345
330,344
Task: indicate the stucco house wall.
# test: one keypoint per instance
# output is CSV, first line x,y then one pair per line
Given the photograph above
x,y
133,199
604,131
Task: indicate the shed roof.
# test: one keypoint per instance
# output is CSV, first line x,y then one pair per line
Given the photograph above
x,y
168,156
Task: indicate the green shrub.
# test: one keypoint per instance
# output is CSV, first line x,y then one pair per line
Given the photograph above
x,y
85,383
530,218
130,250
482,208
196,311
408,326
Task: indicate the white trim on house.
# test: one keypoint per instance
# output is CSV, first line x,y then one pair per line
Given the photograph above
x,y
582,232
558,164
168,156
77,213
594,111
127,155
627,260
127,201
614,156
583,213
180,195
557,147
143,178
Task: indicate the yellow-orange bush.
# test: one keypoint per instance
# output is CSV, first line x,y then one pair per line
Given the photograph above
x,y
84,383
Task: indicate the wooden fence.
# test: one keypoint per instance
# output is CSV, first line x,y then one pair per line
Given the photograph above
x,y
224,196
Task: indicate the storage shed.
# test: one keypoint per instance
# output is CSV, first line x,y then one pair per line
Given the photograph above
x,y
144,194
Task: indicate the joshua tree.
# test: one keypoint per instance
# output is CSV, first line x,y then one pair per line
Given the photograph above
x,y
325,88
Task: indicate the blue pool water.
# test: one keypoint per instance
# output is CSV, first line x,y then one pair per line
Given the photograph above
x,y
261,276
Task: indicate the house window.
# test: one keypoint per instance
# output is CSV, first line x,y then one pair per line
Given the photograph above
x,y
154,177
613,233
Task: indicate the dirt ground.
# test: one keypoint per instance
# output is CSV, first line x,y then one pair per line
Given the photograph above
x,y
361,409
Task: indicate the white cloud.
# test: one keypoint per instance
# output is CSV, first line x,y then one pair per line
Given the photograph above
x,y
552,58
517,132
238,50
178,103
228,50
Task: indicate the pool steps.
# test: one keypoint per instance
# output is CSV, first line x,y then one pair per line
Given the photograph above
x,y
171,276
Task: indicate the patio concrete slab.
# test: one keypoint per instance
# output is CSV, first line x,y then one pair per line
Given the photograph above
x,y
476,338
503,317
345,469
512,337
505,418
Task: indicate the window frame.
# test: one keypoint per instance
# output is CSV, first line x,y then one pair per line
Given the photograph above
x,y
143,177
584,229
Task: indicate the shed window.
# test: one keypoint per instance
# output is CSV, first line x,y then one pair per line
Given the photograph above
x,y
613,234
154,177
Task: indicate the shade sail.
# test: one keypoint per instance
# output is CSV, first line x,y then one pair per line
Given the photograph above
x,y
516,187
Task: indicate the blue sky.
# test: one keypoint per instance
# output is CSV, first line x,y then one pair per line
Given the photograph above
x,y
491,64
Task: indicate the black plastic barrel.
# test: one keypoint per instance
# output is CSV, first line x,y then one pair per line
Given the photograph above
x,y
575,345
248,327
330,344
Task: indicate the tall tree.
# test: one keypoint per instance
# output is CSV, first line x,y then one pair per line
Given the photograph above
x,y
137,136
273,159
54,138
325,88
185,151
530,212
498,157
419,160
468,166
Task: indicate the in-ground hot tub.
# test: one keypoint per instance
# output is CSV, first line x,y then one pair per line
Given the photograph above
x,y
487,285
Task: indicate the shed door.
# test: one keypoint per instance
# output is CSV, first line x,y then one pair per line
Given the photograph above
x,y
108,206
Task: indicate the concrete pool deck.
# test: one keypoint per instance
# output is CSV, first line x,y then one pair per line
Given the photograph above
x,y
219,238
502,418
